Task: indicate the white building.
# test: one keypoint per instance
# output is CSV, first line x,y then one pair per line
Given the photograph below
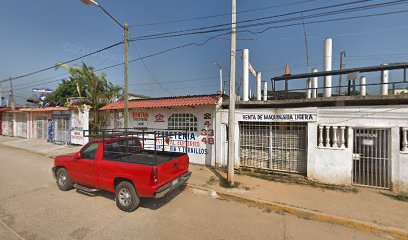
x,y
197,114
353,144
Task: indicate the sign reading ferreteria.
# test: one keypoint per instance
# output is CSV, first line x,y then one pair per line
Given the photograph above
x,y
280,117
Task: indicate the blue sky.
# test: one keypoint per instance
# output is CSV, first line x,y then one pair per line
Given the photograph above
x,y
38,34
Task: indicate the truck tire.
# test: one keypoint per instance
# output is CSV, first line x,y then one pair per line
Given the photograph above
x,y
63,181
126,197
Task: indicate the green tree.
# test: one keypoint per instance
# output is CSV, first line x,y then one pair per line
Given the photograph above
x,y
95,88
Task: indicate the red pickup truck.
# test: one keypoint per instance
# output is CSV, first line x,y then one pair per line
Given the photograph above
x,y
121,165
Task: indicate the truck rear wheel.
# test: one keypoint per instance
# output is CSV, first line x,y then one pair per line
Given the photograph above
x,y
126,197
63,181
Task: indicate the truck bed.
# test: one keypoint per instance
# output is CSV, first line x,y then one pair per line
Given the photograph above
x,y
145,157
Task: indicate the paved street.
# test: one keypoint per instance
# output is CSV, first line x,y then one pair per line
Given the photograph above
x,y
32,207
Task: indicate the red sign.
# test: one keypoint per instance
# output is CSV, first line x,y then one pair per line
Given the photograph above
x,y
140,116
159,118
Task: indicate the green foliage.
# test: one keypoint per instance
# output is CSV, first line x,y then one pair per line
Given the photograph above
x,y
66,89
95,88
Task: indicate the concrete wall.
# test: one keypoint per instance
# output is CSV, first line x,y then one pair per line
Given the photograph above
x,y
326,164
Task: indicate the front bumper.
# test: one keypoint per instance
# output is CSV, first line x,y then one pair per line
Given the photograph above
x,y
168,187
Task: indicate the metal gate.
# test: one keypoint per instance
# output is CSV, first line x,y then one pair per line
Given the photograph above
x,y
371,158
7,124
62,133
275,146
21,125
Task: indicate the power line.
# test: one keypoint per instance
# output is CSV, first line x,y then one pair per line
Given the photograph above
x,y
220,15
60,64
329,20
324,14
200,29
148,70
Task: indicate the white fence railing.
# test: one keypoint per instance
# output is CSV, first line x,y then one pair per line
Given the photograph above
x,y
332,136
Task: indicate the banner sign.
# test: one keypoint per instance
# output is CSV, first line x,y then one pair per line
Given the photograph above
x,y
281,117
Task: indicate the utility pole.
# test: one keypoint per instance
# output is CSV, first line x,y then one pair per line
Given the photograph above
x,y
11,102
126,98
342,55
125,27
220,69
231,110
1,96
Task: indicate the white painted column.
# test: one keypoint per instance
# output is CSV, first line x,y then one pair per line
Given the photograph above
x,y
404,139
342,137
363,87
384,81
315,82
258,86
335,137
328,50
320,137
245,74
265,95
327,140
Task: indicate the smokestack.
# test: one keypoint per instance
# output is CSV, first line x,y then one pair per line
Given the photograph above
x,y
328,50
363,87
314,84
245,74
258,86
384,81
265,93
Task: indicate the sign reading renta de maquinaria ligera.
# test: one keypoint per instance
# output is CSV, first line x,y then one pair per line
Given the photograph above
x,y
279,117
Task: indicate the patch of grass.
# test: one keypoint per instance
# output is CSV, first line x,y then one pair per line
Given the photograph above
x,y
399,197
295,179
246,169
226,184
212,180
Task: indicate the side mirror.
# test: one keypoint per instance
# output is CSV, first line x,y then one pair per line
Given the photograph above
x,y
77,155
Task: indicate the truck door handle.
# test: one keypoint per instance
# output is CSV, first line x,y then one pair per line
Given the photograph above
x,y
175,165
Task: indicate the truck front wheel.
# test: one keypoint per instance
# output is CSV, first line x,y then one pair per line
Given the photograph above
x,y
126,197
63,181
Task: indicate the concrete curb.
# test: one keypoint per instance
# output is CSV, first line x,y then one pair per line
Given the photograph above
x,y
310,214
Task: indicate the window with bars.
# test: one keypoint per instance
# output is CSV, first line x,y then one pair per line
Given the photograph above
x,y
183,121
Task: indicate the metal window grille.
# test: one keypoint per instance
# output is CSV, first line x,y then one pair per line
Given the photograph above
x,y
61,126
274,146
371,158
183,121
41,124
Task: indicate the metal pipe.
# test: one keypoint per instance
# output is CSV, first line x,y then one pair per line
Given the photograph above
x,y
258,86
245,74
265,95
363,87
315,82
308,88
384,81
328,49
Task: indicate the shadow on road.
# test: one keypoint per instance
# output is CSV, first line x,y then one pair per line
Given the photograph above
x,y
150,203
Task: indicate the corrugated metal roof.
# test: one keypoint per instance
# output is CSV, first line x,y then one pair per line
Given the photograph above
x,y
167,102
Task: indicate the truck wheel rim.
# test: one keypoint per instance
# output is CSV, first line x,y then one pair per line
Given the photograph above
x,y
62,179
124,197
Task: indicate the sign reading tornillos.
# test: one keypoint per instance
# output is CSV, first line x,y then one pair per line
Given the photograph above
x,y
281,117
